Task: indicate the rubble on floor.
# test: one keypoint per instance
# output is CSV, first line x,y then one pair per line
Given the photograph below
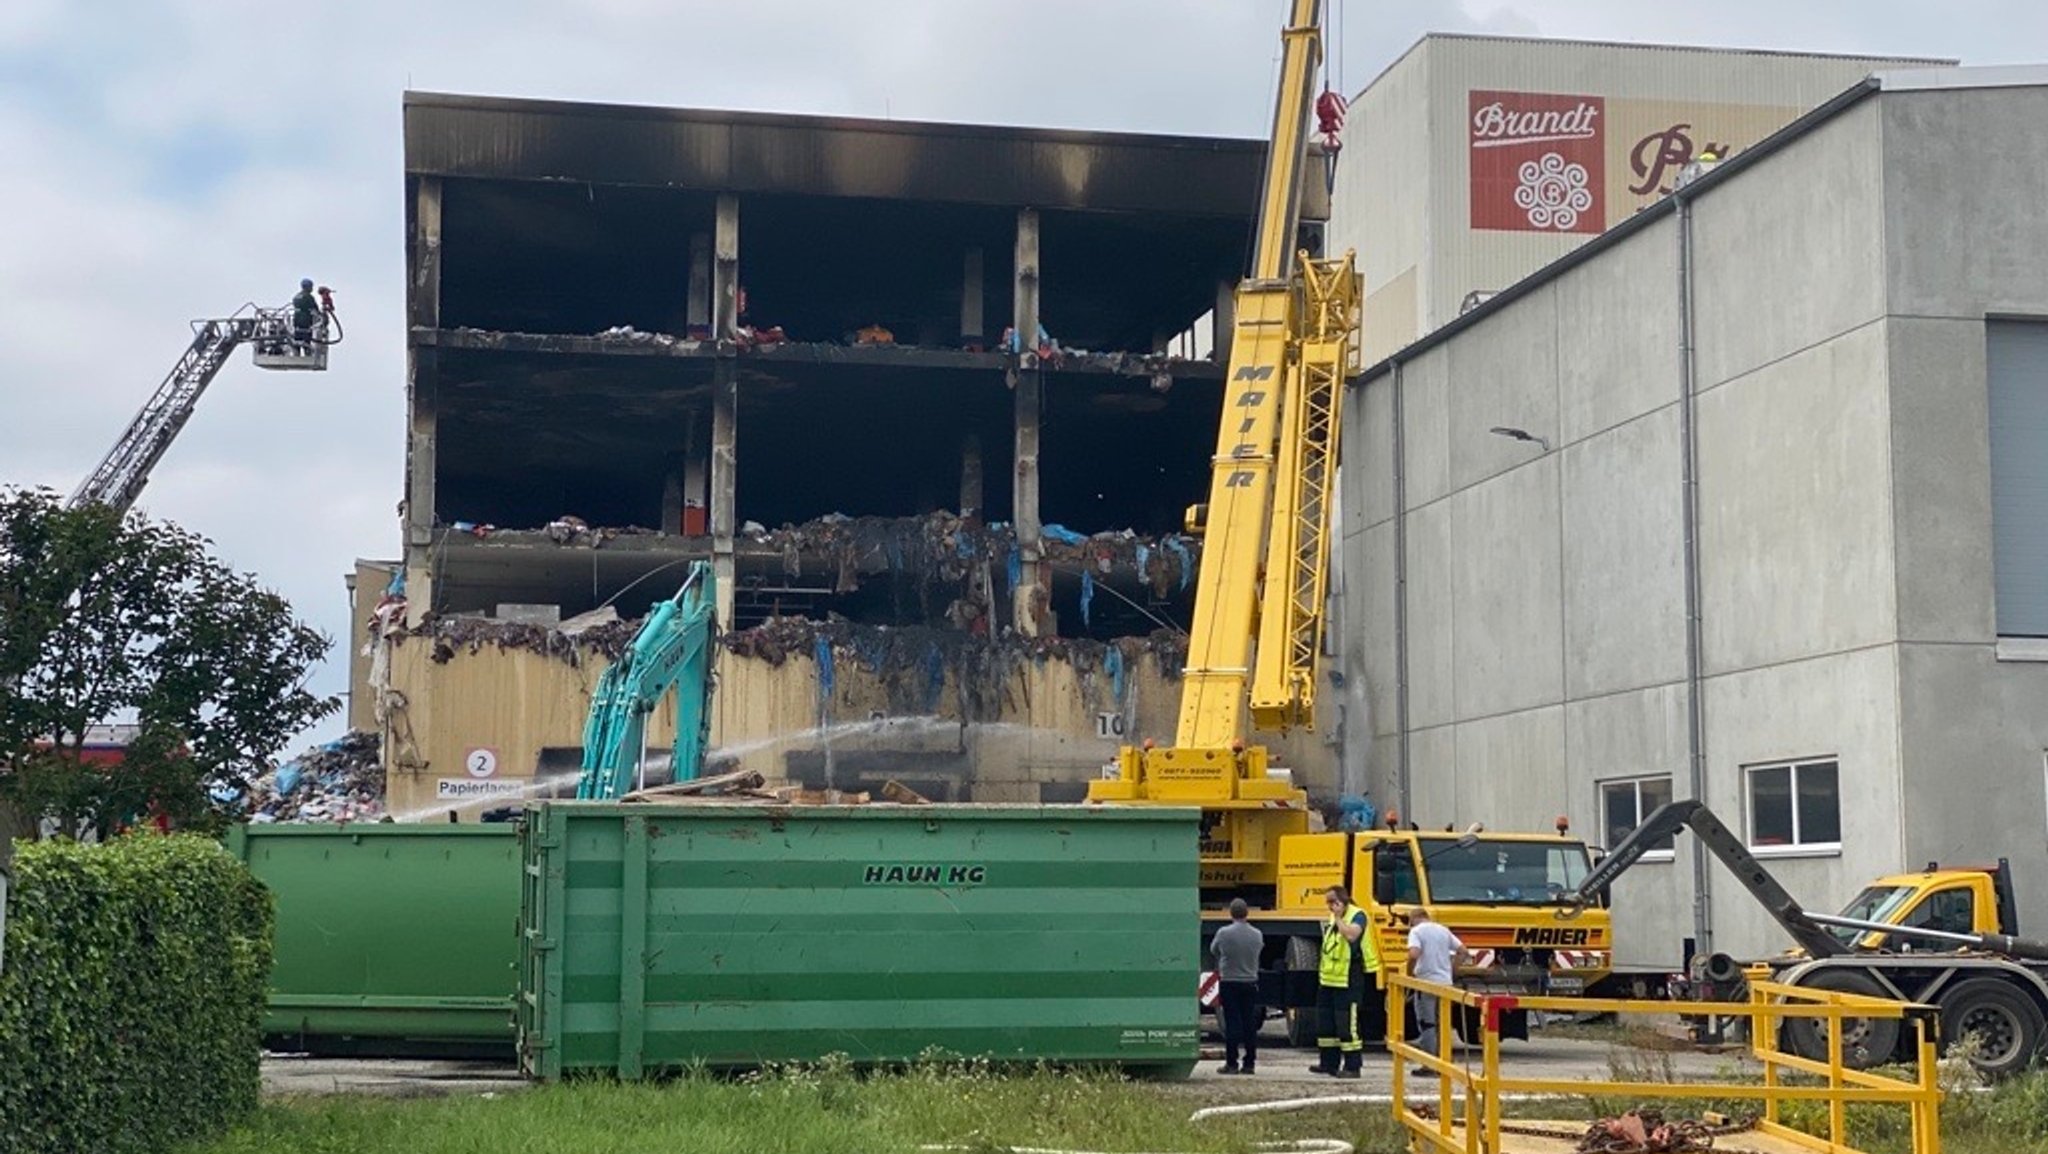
x,y
946,547
916,665
601,631
1046,353
342,780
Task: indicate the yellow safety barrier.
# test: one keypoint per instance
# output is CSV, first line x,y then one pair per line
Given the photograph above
x,y
1467,1114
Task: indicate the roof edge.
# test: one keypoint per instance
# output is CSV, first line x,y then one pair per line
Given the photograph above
x,y
1975,76
516,105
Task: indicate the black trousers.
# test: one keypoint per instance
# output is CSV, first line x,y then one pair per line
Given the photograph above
x,y
1372,1011
1241,1021
1337,1027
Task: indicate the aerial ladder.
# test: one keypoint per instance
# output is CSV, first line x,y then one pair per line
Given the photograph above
x,y
671,652
280,344
1255,641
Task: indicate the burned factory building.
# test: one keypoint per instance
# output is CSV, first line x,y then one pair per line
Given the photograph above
x,y
931,399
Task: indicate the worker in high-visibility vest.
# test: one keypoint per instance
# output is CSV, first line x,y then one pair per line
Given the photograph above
x,y
1348,954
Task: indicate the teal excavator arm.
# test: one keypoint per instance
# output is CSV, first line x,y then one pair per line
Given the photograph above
x,y
672,650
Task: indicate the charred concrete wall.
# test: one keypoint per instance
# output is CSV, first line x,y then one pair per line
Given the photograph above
x,y
901,377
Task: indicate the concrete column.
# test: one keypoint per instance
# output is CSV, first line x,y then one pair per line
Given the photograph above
x,y
683,487
1025,294
725,287
1223,320
724,472
422,404
672,503
425,294
1028,600
698,310
725,273
971,293
970,476
422,422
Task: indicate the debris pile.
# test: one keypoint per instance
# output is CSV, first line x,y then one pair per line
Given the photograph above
x,y
1645,1131
342,780
945,547
600,631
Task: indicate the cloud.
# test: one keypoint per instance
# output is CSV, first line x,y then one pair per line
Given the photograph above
x,y
172,160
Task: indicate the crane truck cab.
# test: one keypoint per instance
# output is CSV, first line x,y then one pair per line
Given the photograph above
x,y
1503,894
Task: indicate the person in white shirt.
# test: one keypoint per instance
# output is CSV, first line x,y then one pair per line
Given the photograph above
x,y
1433,954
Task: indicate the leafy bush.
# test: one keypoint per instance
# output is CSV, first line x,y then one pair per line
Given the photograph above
x,y
131,1005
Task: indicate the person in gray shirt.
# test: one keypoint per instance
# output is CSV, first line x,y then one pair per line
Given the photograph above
x,y
1236,948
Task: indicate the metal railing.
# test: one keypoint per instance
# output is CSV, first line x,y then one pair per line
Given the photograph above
x,y
1467,1117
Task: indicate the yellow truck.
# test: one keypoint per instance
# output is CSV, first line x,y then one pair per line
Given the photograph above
x,y
1943,937
1500,893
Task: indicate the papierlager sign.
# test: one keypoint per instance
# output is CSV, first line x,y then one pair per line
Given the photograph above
x,y
468,789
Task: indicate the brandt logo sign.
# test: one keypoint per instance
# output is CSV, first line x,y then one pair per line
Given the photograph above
x,y
1538,162
1659,157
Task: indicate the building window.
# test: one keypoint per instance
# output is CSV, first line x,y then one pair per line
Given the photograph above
x,y
1795,805
2016,367
1624,805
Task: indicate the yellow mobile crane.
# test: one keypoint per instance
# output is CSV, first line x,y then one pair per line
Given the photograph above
x,y
1256,638
1266,524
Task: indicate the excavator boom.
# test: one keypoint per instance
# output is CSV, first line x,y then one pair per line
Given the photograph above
x,y
671,650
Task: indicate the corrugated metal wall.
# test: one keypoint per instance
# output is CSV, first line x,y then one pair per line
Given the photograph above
x,y
1046,721
661,936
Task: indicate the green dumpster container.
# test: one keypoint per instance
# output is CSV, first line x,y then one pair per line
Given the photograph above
x,y
391,939
657,937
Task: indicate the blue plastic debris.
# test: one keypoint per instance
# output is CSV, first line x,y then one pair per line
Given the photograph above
x,y
821,652
1187,560
1356,812
1062,534
1113,665
1087,594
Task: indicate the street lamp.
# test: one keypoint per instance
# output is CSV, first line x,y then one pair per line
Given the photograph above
x,y
1520,435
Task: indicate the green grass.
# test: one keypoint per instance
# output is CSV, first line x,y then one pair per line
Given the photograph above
x,y
830,1108
826,1109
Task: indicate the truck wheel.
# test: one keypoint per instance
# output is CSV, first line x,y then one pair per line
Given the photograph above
x,y
1302,954
2006,1023
1866,1042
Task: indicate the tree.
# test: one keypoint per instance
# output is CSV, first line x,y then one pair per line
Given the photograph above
x,y
107,617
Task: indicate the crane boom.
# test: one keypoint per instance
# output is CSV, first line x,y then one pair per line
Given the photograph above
x,y
1255,638
120,476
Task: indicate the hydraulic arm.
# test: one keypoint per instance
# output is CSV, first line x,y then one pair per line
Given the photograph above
x,y
671,651
1804,928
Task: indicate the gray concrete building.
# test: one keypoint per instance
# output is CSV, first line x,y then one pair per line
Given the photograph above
x,y
1746,498
1472,161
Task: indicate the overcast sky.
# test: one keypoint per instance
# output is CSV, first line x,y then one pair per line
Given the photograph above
x,y
167,159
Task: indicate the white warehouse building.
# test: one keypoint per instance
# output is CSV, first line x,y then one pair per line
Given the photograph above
x,y
1774,448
